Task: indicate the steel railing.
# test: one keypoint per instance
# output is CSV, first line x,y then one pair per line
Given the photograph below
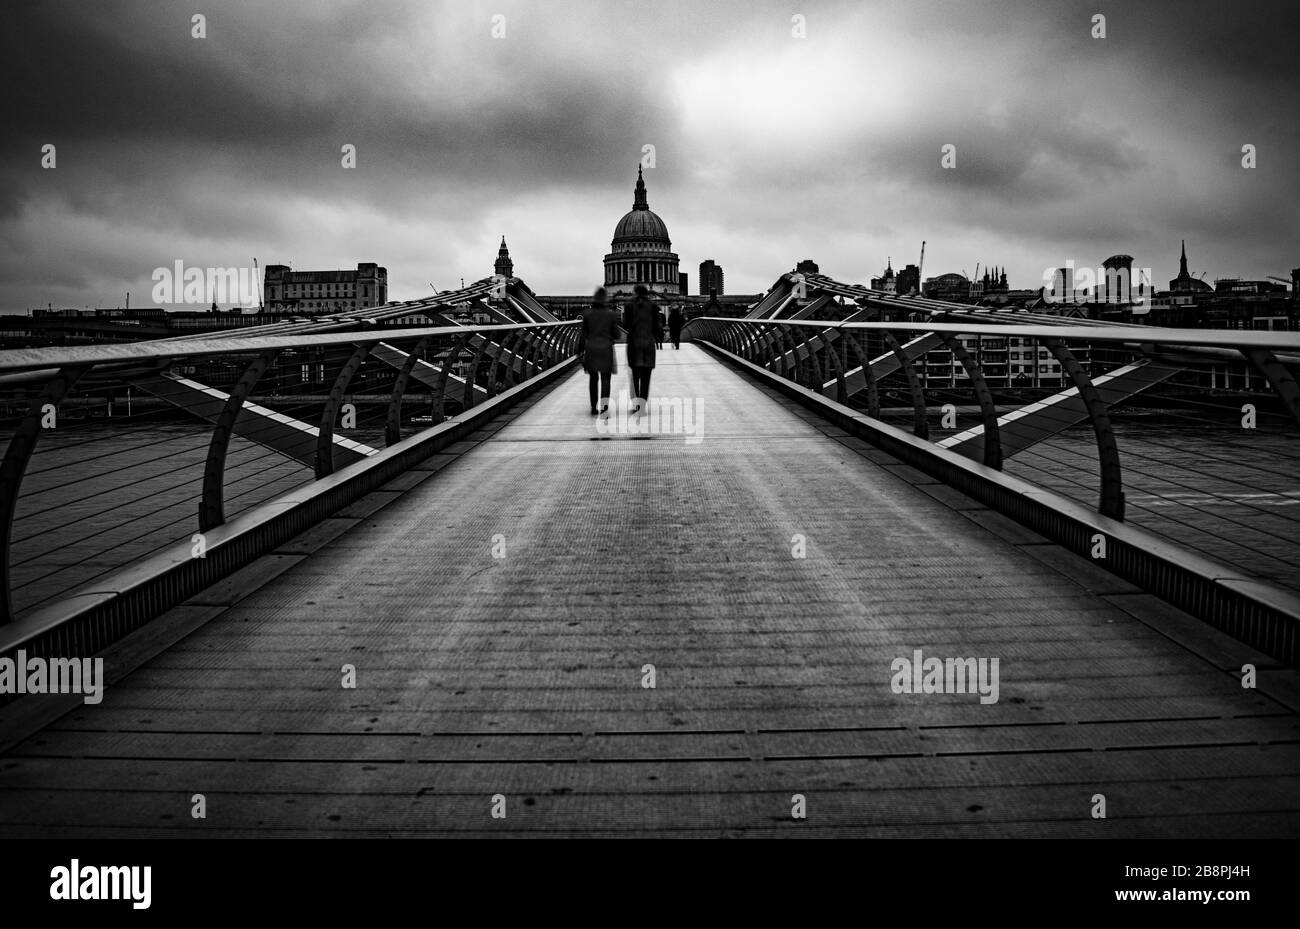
x,y
114,453
1190,434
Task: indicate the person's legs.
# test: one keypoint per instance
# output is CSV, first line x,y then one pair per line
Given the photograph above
x,y
591,389
637,396
641,383
605,378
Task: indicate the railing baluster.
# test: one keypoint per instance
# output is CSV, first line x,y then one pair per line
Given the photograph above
x,y
452,357
1112,483
212,500
920,427
992,439
17,456
393,422
325,437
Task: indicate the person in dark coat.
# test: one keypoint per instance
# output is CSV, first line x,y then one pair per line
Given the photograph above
x,y
596,348
675,321
641,320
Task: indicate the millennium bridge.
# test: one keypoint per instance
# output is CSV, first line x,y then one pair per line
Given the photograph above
x,y
355,576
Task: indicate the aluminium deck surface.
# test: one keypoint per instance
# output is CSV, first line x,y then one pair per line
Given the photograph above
x,y
522,675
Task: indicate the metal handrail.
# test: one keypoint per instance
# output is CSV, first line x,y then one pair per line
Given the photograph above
x,y
1128,335
295,428
807,343
35,359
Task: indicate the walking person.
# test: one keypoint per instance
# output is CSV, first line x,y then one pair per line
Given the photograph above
x,y
641,320
675,321
596,348
659,327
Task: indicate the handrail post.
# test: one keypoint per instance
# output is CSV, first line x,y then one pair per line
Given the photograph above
x,y
17,457
841,389
531,344
794,355
814,364
868,374
212,507
393,423
472,380
920,427
445,374
325,436
500,365
1111,501
992,439
771,346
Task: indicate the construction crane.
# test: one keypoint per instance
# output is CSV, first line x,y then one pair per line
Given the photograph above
x,y
919,266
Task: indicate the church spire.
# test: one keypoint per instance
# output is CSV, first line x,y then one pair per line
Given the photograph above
x,y
639,202
1182,262
504,266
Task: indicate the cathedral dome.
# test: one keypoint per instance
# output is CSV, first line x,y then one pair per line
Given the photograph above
x,y
641,253
641,225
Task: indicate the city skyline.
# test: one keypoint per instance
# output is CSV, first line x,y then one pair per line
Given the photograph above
x,y
851,419
768,148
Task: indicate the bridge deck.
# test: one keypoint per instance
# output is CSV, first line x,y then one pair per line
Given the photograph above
x,y
522,675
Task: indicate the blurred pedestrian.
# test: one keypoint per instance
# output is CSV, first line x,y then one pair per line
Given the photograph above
x,y
641,320
596,349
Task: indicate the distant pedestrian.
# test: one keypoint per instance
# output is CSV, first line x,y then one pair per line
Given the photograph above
x,y
675,321
641,320
659,327
596,349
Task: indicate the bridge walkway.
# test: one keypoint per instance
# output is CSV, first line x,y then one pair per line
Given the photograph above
x,y
501,605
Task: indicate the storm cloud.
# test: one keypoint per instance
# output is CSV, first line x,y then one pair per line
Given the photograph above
x,y
769,148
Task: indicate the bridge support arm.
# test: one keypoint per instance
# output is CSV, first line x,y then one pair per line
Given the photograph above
x,y
920,428
1279,377
1112,483
452,357
393,422
816,372
17,456
212,512
868,374
833,359
325,437
472,380
992,438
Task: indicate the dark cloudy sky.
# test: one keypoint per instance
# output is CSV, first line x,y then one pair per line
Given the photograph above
x,y
769,148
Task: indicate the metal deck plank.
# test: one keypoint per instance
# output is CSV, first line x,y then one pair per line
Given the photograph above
x,y
622,550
